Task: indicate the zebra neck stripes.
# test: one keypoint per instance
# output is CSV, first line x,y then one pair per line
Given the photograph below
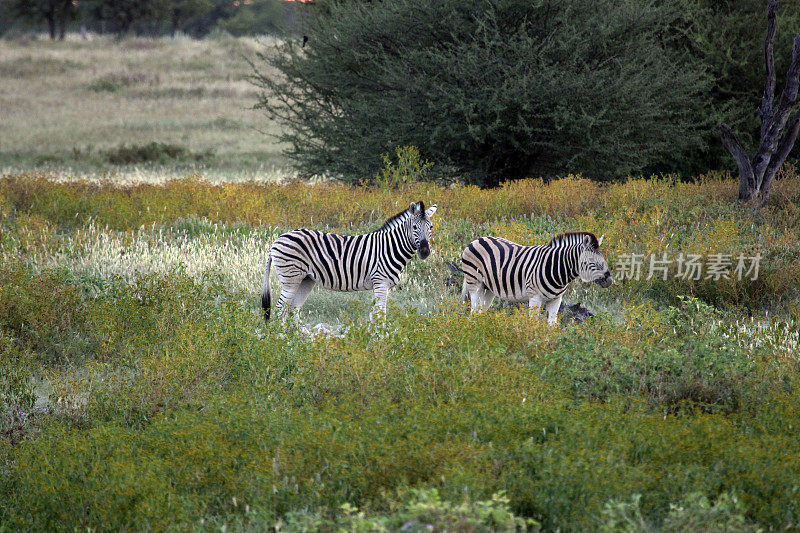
x,y
557,267
396,246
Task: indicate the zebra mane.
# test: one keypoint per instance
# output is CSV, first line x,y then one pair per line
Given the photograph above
x,y
575,237
396,219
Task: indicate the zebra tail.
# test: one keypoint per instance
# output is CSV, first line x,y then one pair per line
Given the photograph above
x,y
265,296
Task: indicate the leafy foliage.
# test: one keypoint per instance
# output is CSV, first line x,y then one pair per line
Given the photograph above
x,y
16,387
410,169
423,510
694,513
697,368
729,37
494,90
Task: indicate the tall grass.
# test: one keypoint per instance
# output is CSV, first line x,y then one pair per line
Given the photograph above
x,y
643,216
133,309
71,101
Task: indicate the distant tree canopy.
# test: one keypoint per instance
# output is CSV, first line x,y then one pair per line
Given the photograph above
x,y
152,17
122,14
488,89
55,13
266,16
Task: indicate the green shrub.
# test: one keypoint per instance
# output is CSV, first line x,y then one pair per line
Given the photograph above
x,y
153,152
44,310
685,361
410,169
494,90
694,513
421,511
16,386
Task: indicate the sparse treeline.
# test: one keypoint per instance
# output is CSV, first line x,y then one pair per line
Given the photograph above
x,y
149,17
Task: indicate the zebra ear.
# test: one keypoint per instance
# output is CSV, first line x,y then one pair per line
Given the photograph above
x,y
430,211
600,240
416,208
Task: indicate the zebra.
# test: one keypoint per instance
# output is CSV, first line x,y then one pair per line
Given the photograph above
x,y
537,274
305,257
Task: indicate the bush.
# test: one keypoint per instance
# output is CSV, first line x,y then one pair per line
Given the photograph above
x,y
493,90
684,362
729,37
421,511
199,417
16,386
44,311
694,513
411,168
153,152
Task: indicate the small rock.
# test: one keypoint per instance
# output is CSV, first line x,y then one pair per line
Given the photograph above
x,y
576,311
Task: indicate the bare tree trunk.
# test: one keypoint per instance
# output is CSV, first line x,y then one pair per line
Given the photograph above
x,y
64,12
62,27
756,176
51,25
746,178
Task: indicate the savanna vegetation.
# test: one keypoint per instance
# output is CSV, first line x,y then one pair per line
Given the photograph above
x,y
137,109
152,18
141,388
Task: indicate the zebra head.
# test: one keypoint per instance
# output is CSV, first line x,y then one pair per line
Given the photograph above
x,y
592,265
420,227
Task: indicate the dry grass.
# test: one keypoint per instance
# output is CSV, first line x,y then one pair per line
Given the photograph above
x,y
65,102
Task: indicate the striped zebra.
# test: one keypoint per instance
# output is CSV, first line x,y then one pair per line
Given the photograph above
x,y
538,275
373,261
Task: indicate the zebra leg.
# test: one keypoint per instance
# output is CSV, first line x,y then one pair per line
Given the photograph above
x,y
480,298
486,298
381,297
475,298
285,303
301,294
552,308
535,304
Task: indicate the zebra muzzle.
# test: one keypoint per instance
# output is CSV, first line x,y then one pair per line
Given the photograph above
x,y
423,250
606,281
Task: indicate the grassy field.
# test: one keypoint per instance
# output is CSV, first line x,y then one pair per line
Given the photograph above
x,y
74,105
142,390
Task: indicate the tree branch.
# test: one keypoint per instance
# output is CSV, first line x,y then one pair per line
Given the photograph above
x,y
746,179
789,94
765,110
779,116
784,147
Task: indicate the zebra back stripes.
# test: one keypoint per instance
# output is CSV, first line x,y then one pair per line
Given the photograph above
x,y
306,257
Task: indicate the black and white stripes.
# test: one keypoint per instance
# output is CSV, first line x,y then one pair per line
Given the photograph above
x,y
538,275
304,258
